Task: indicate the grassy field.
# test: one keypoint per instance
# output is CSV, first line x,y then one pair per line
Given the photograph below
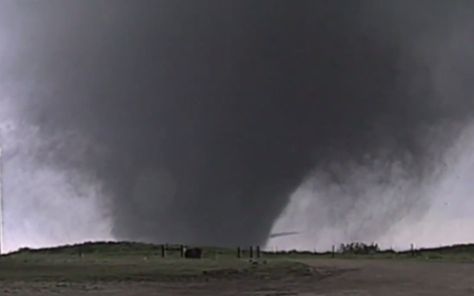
x,y
143,262
137,262
455,253
128,269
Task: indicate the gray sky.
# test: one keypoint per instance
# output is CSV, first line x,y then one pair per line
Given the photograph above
x,y
195,121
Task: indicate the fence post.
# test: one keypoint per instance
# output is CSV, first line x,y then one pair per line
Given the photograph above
x,y
251,252
163,251
333,252
80,252
412,248
259,253
239,252
181,250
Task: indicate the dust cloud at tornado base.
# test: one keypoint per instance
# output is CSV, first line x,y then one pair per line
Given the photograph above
x,y
446,205
195,123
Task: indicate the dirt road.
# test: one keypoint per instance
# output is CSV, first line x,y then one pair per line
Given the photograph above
x,y
330,278
393,278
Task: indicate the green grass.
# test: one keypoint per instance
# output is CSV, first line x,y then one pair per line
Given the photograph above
x,y
143,262
135,262
457,253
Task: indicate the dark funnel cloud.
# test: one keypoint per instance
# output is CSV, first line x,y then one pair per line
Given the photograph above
x,y
200,118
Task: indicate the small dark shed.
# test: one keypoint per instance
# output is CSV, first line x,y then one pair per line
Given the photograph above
x,y
194,253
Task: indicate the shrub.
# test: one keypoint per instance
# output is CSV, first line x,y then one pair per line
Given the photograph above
x,y
359,248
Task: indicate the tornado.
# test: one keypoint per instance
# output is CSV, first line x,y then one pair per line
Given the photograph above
x,y
199,119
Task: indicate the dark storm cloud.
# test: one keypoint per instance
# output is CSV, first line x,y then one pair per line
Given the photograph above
x,y
201,117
